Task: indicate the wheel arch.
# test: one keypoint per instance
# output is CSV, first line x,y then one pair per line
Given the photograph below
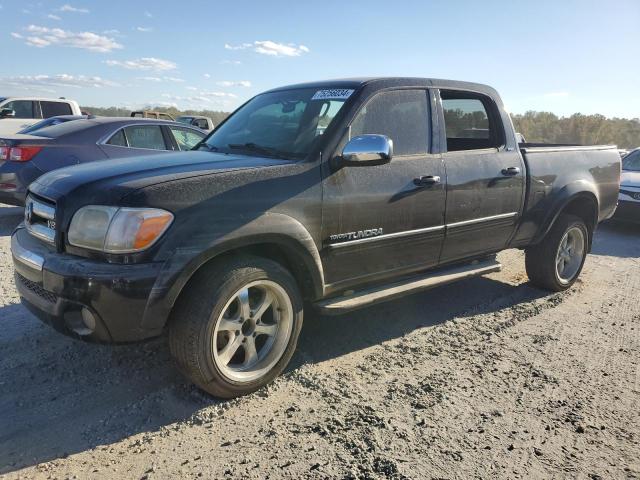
x,y
579,199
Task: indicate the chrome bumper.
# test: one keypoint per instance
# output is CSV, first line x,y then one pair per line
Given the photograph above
x,y
24,256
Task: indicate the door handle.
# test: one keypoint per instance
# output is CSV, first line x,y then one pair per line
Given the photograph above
x,y
507,172
426,180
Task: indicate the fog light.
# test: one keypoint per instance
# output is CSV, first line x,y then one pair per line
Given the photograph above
x,y
83,323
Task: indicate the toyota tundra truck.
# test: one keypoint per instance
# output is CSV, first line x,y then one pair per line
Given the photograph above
x,y
333,195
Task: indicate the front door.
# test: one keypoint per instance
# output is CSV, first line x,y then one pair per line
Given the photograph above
x,y
381,221
485,179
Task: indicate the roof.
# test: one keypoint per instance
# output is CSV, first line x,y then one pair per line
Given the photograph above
x,y
28,97
130,120
391,82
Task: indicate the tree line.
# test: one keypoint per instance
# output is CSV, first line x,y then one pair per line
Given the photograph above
x,y
537,127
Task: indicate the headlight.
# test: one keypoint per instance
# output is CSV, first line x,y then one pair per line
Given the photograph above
x,y
118,230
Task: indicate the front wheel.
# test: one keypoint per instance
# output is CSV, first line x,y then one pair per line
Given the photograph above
x,y
237,326
556,262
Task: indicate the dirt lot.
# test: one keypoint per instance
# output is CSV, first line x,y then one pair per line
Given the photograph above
x,y
486,378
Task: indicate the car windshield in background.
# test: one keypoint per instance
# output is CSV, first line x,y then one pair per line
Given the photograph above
x,y
632,162
283,124
186,120
65,128
47,122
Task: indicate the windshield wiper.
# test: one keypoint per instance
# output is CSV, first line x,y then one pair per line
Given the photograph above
x,y
262,150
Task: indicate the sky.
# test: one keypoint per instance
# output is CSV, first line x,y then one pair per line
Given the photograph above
x,y
559,56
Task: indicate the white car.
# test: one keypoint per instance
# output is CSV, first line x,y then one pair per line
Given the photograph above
x,y
18,113
629,199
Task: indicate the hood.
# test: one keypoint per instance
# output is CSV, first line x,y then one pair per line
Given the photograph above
x,y
107,181
630,179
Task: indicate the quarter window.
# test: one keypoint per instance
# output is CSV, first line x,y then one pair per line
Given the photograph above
x,y
145,136
401,115
118,139
470,122
53,109
23,108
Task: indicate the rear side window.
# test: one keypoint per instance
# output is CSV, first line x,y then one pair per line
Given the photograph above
x,y
23,108
201,123
118,139
401,115
54,109
145,136
471,122
186,139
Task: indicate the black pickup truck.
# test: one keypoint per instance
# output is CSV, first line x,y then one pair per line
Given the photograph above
x,y
333,195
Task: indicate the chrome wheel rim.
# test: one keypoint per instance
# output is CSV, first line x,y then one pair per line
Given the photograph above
x,y
570,255
253,331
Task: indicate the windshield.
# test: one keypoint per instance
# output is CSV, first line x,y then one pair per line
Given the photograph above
x,y
283,124
73,126
186,120
632,162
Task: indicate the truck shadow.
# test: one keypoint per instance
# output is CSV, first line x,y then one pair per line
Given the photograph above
x,y
61,396
617,239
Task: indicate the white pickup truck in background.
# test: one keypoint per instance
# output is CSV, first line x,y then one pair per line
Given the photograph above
x,y
17,113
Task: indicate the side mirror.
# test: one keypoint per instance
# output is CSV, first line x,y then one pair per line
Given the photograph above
x,y
7,113
366,150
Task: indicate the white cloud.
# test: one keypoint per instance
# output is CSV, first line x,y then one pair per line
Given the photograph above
x,y
240,83
145,63
46,82
161,79
144,29
148,14
231,62
68,8
274,49
53,17
206,75
44,37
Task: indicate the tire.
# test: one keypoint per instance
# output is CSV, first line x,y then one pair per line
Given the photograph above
x,y
225,335
548,264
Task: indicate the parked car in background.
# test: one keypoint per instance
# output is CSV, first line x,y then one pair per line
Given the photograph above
x,y
23,158
336,194
18,113
629,199
203,123
150,114
48,122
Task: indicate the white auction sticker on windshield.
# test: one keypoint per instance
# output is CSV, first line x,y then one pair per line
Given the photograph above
x,y
333,94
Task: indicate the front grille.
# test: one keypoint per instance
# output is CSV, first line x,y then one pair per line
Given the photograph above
x,y
37,289
40,218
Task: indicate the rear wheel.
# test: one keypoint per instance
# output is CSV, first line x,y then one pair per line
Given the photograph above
x,y
556,262
237,326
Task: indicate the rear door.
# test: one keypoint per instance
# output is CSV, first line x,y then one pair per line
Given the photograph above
x,y
377,222
485,179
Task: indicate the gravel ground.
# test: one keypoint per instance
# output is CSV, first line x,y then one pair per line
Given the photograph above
x,y
487,378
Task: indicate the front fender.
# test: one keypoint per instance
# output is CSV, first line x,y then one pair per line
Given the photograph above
x,y
269,228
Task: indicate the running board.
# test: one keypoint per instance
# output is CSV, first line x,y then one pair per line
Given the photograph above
x,y
382,293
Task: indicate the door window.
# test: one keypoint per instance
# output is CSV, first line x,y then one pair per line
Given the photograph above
x,y
145,136
186,139
53,109
201,123
23,108
469,124
401,115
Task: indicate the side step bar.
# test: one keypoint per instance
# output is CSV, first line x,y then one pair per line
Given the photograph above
x,y
382,293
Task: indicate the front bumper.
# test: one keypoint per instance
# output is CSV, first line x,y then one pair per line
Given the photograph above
x,y
62,290
628,211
